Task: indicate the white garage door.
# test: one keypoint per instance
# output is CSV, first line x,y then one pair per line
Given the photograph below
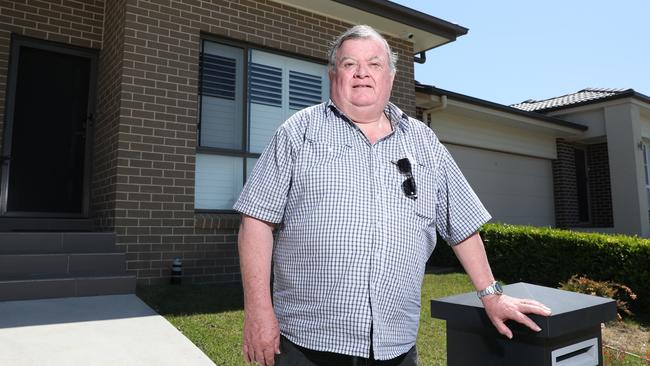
x,y
515,189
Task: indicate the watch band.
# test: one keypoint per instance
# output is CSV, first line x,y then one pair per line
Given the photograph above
x,y
494,289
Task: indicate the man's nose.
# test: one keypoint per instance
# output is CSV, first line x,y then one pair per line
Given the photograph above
x,y
361,71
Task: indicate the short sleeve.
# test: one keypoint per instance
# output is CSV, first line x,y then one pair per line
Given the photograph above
x,y
459,212
265,193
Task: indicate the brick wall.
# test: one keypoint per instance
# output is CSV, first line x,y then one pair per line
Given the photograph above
x,y
77,23
404,85
419,113
564,186
154,214
107,120
147,108
600,193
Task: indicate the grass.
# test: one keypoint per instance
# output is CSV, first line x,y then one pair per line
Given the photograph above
x,y
618,357
212,316
432,342
629,339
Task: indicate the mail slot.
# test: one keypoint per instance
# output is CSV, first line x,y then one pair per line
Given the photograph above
x,y
570,336
584,353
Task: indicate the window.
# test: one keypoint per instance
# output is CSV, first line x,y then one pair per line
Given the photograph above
x,y
582,184
646,161
246,94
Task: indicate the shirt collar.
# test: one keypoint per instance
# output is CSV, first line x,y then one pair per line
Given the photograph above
x,y
395,115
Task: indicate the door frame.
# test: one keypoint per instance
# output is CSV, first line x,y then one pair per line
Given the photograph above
x,y
17,41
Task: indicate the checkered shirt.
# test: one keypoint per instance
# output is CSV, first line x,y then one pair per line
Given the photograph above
x,y
351,247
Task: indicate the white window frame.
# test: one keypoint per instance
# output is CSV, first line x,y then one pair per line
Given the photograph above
x,y
646,168
250,150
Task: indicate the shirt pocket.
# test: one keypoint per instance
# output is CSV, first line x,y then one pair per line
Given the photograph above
x,y
426,188
318,158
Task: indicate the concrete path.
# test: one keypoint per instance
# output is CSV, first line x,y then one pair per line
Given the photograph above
x,y
88,331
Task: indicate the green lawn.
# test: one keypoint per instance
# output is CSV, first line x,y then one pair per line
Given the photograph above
x,y
212,316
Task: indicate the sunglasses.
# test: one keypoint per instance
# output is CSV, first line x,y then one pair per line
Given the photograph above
x,y
408,186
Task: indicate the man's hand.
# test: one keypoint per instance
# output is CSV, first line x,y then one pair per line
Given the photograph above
x,y
261,337
500,308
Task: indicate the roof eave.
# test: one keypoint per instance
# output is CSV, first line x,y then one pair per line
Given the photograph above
x,y
504,108
422,30
408,16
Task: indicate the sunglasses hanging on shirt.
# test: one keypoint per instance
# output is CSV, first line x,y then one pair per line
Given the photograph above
x,y
408,186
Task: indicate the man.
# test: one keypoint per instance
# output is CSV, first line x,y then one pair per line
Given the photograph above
x,y
358,190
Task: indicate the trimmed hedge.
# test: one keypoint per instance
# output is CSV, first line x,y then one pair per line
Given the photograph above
x,y
547,257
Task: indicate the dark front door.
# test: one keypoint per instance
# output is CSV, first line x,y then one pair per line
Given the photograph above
x,y
46,143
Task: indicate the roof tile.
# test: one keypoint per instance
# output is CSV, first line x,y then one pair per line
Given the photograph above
x,y
584,95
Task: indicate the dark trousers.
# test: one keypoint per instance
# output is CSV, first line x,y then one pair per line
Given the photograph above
x,y
294,355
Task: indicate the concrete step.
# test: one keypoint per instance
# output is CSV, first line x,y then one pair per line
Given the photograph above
x,y
56,242
39,265
66,286
45,224
80,264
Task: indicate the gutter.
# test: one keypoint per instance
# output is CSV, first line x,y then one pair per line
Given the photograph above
x,y
420,59
428,89
428,112
408,16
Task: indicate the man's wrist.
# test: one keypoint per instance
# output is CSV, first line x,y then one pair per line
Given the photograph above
x,y
493,289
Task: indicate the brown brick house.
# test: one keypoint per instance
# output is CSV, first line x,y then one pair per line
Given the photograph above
x,y
139,119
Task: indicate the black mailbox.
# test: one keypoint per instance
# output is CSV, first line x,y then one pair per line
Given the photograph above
x,y
571,336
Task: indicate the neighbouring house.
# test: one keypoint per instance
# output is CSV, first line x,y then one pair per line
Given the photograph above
x,y
578,161
602,175
506,154
129,127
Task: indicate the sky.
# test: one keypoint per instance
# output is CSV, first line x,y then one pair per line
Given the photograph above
x,y
519,50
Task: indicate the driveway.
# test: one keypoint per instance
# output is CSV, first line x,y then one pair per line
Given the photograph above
x,y
99,330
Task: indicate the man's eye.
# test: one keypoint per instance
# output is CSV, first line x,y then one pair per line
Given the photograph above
x,y
348,65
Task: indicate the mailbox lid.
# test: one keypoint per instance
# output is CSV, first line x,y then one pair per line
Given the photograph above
x,y
571,311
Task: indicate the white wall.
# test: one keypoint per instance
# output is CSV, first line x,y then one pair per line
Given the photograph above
x,y
515,189
629,200
645,126
483,133
593,119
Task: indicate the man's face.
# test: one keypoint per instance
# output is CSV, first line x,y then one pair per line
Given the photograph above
x,y
362,79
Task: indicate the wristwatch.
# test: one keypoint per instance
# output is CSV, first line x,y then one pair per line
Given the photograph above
x,y
494,289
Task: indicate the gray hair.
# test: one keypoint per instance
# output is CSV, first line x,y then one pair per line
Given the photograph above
x,y
356,32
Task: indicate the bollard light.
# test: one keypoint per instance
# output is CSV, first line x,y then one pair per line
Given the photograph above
x,y
177,271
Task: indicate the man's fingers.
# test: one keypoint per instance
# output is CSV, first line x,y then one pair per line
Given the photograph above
x,y
247,357
535,307
536,303
269,357
276,349
502,328
504,308
523,319
264,357
259,358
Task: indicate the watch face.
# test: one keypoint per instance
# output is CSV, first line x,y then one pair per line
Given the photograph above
x,y
498,288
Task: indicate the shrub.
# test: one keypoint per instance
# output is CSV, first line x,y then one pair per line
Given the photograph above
x,y
547,256
621,293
